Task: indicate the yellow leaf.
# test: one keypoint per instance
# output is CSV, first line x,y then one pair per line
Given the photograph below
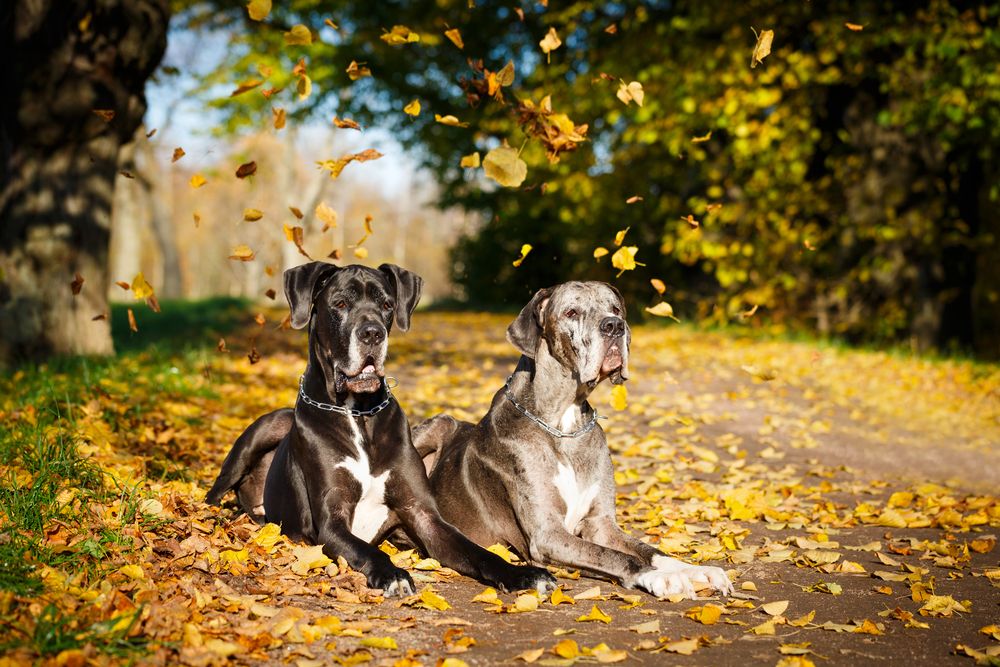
x,y
558,597
630,92
795,661
504,166
452,662
620,236
413,108
550,42
242,253
252,214
132,571
432,600
941,605
140,288
662,309
658,285
763,46
525,249
299,35
267,535
606,655
259,9
470,161
707,615
567,648
595,615
624,259
683,647
399,35
304,87
455,36
197,181
600,252
765,628
278,117
427,564
221,648
502,551
703,138
357,70
803,621
361,253
856,27
775,608
449,120
387,643
525,602
619,397
647,628
308,558
867,627
759,374
326,215
488,595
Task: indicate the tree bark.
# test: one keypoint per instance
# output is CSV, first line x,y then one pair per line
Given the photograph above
x,y
64,60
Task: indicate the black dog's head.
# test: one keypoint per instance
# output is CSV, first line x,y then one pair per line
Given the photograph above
x,y
350,311
582,324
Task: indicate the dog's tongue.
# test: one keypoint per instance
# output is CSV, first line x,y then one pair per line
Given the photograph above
x,y
612,360
368,369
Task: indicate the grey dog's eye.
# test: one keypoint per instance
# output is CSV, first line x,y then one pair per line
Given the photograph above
x,y
340,305
615,310
571,313
386,306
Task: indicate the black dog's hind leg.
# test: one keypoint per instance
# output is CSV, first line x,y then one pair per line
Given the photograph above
x,y
245,467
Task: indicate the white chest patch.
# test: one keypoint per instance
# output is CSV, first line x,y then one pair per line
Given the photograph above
x,y
371,511
577,499
570,418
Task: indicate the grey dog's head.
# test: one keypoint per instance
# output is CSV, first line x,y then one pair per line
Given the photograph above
x,y
582,324
350,311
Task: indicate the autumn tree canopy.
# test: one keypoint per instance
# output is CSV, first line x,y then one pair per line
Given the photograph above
x,y
845,181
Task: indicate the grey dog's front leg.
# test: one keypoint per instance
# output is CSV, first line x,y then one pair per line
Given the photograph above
x,y
554,545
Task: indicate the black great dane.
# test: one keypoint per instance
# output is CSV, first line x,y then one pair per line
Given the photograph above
x,y
536,472
340,469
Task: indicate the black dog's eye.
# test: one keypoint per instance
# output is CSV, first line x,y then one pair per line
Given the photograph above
x,y
340,305
387,306
570,313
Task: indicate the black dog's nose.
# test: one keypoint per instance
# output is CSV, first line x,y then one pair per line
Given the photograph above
x,y
612,327
371,333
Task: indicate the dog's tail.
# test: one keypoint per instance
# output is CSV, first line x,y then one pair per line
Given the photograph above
x,y
261,437
430,437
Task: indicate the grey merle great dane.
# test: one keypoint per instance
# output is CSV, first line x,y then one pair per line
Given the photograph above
x,y
535,472
340,469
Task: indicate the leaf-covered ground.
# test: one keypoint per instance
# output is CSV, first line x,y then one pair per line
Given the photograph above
x,y
852,497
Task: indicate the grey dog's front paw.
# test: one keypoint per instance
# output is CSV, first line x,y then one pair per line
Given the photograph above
x,y
670,576
393,581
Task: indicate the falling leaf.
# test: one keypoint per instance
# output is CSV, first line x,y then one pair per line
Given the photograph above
x,y
197,219
252,214
326,215
399,35
746,315
712,208
692,223
763,46
600,252
630,92
620,236
449,120
470,161
619,397
633,199
525,249
178,154
140,288
662,309
296,211
246,86
702,139
658,285
131,321
107,115
357,71
242,253
346,123
550,42
299,35
455,36
246,169
221,345
413,108
259,9
77,284
278,117
197,181
504,166
361,253
595,613
624,259
856,27
337,166
270,294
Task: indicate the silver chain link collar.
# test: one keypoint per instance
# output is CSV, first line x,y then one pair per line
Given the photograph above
x,y
587,428
330,407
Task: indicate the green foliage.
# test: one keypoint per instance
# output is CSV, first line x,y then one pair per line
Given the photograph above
x,y
855,168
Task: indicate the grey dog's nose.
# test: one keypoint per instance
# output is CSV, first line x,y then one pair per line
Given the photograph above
x,y
612,327
371,333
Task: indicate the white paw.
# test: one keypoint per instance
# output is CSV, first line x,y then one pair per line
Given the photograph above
x,y
664,584
399,587
715,577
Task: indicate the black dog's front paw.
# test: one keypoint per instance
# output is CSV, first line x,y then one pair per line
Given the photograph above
x,y
392,580
524,577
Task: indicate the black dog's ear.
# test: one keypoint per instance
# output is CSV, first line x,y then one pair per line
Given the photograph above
x,y
408,286
524,331
300,289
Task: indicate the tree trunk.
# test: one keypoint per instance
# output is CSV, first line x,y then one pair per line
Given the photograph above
x,y
64,61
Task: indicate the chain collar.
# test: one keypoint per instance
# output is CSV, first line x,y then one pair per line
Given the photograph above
x,y
351,412
586,428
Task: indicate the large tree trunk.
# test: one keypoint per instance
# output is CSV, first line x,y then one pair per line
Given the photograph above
x,y
62,61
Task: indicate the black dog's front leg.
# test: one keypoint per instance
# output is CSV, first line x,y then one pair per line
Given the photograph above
x,y
337,540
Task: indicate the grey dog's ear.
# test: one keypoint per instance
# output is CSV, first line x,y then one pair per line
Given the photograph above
x,y
408,286
524,332
300,289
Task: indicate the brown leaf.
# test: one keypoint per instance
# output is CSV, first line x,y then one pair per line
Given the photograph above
x,y
127,174
296,211
633,199
260,319
856,27
253,355
270,294
178,154
107,115
221,345
99,316
124,285
131,321
346,123
763,46
77,284
357,70
278,117
246,86
246,169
